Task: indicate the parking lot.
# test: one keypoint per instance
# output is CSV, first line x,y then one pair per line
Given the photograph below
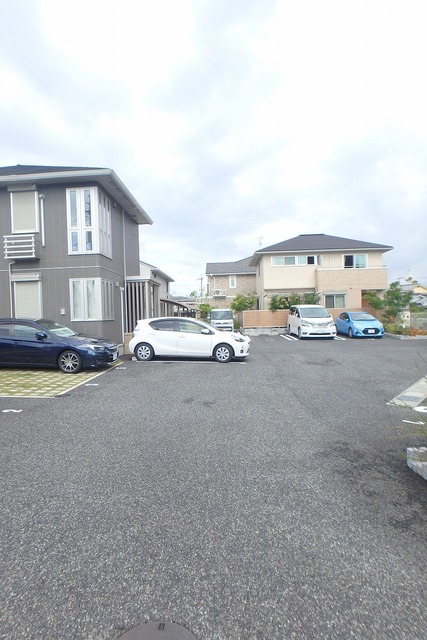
x,y
260,499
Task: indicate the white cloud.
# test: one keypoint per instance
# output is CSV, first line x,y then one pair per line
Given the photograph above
x,y
230,121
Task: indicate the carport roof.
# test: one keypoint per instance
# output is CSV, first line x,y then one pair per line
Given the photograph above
x,y
317,242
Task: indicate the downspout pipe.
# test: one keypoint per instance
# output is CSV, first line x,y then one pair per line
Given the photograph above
x,y
12,315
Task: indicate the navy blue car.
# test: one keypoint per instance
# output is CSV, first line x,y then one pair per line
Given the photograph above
x,y
45,343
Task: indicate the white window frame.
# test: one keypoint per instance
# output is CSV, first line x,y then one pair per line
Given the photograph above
x,y
355,257
335,296
91,299
232,282
292,261
91,236
14,195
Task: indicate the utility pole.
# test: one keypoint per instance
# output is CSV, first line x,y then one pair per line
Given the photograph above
x,y
201,286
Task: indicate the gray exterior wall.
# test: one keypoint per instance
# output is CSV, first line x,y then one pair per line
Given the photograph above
x,y
56,267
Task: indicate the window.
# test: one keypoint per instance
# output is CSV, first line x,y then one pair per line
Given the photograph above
x,y
335,300
289,261
190,327
24,207
89,221
232,282
27,299
91,299
357,261
164,325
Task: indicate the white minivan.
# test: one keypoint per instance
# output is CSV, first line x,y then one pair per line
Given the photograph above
x,y
311,321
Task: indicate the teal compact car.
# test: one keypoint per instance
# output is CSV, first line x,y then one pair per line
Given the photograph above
x,y
359,324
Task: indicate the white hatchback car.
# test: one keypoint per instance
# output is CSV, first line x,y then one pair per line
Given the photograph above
x,y
185,337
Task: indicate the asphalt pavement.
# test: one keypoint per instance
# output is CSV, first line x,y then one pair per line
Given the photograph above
x,y
268,499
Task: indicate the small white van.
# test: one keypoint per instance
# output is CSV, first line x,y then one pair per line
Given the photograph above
x,y
311,321
222,319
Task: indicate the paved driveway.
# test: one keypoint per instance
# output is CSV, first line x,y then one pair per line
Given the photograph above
x,y
266,499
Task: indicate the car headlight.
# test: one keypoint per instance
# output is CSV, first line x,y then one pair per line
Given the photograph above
x,y
239,339
94,347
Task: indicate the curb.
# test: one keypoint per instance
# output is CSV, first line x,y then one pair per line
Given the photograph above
x,y
416,459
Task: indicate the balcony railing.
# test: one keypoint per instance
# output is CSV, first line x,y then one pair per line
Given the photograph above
x,y
21,246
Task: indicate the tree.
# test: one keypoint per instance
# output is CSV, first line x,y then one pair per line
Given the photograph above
x,y
284,302
393,302
205,309
243,303
193,294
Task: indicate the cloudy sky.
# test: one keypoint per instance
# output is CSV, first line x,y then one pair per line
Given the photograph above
x,y
236,124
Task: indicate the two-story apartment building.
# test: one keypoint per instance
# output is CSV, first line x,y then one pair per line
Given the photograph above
x,y
226,279
70,243
338,269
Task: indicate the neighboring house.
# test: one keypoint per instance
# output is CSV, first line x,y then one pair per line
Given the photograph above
x,y
226,279
71,242
339,270
419,293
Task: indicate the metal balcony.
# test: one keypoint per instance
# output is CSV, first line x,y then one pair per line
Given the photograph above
x,y
20,246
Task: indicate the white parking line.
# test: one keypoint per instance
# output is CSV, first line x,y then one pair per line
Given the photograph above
x,y
287,336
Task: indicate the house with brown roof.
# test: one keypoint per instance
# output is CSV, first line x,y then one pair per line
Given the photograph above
x,y
338,270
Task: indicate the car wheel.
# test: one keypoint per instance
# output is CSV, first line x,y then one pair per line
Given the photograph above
x,y
289,329
70,362
144,352
350,333
223,353
299,333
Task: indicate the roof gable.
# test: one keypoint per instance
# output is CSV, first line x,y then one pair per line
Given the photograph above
x,y
226,268
318,242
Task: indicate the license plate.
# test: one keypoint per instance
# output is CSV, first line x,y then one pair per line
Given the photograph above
x,y
371,330
115,356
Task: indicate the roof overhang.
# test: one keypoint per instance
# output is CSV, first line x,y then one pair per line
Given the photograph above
x,y
106,178
312,251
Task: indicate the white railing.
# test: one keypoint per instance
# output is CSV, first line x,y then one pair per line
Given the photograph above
x,y
20,246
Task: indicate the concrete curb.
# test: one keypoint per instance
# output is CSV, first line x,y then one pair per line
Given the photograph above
x,y
416,459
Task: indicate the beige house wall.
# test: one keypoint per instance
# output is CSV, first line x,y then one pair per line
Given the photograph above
x,y
245,285
330,278
352,282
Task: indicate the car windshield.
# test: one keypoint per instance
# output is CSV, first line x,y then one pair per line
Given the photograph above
x,y
57,328
362,316
314,312
221,315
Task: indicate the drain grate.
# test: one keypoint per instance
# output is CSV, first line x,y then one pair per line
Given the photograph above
x,y
158,631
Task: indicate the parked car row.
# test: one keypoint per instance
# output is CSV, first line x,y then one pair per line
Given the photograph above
x,y
314,321
46,343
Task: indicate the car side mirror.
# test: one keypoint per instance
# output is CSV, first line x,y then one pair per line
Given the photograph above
x,y
40,335
205,331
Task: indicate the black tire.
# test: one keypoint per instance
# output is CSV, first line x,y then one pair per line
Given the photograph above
x,y
289,329
144,352
70,362
223,353
350,333
299,333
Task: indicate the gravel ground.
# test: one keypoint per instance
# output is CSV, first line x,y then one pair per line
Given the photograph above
x,y
260,500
